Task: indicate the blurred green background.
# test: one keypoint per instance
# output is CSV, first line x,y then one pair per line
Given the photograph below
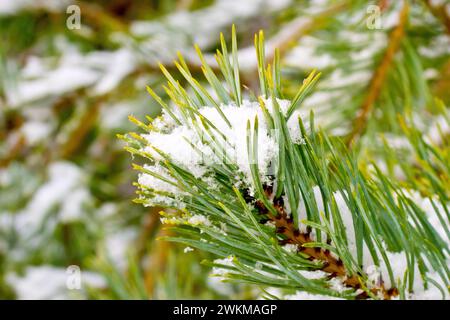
x,y
66,91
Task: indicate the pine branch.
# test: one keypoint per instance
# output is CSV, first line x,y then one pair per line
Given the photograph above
x,y
379,77
299,27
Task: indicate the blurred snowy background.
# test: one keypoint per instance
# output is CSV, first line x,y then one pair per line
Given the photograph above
x,y
66,90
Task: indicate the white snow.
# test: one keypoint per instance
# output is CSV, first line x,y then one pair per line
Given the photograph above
x,y
217,284
438,127
437,3
192,150
72,207
337,284
177,31
120,64
157,184
59,81
439,46
115,115
304,55
177,146
169,138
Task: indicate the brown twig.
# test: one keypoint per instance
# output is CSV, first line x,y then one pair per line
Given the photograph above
x,y
379,77
440,12
299,27
334,266
85,124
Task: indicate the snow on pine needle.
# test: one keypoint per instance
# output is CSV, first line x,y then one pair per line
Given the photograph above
x,y
249,178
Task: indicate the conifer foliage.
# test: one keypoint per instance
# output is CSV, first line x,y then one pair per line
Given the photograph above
x,y
283,204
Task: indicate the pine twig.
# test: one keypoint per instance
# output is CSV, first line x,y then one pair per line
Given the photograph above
x,y
379,77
